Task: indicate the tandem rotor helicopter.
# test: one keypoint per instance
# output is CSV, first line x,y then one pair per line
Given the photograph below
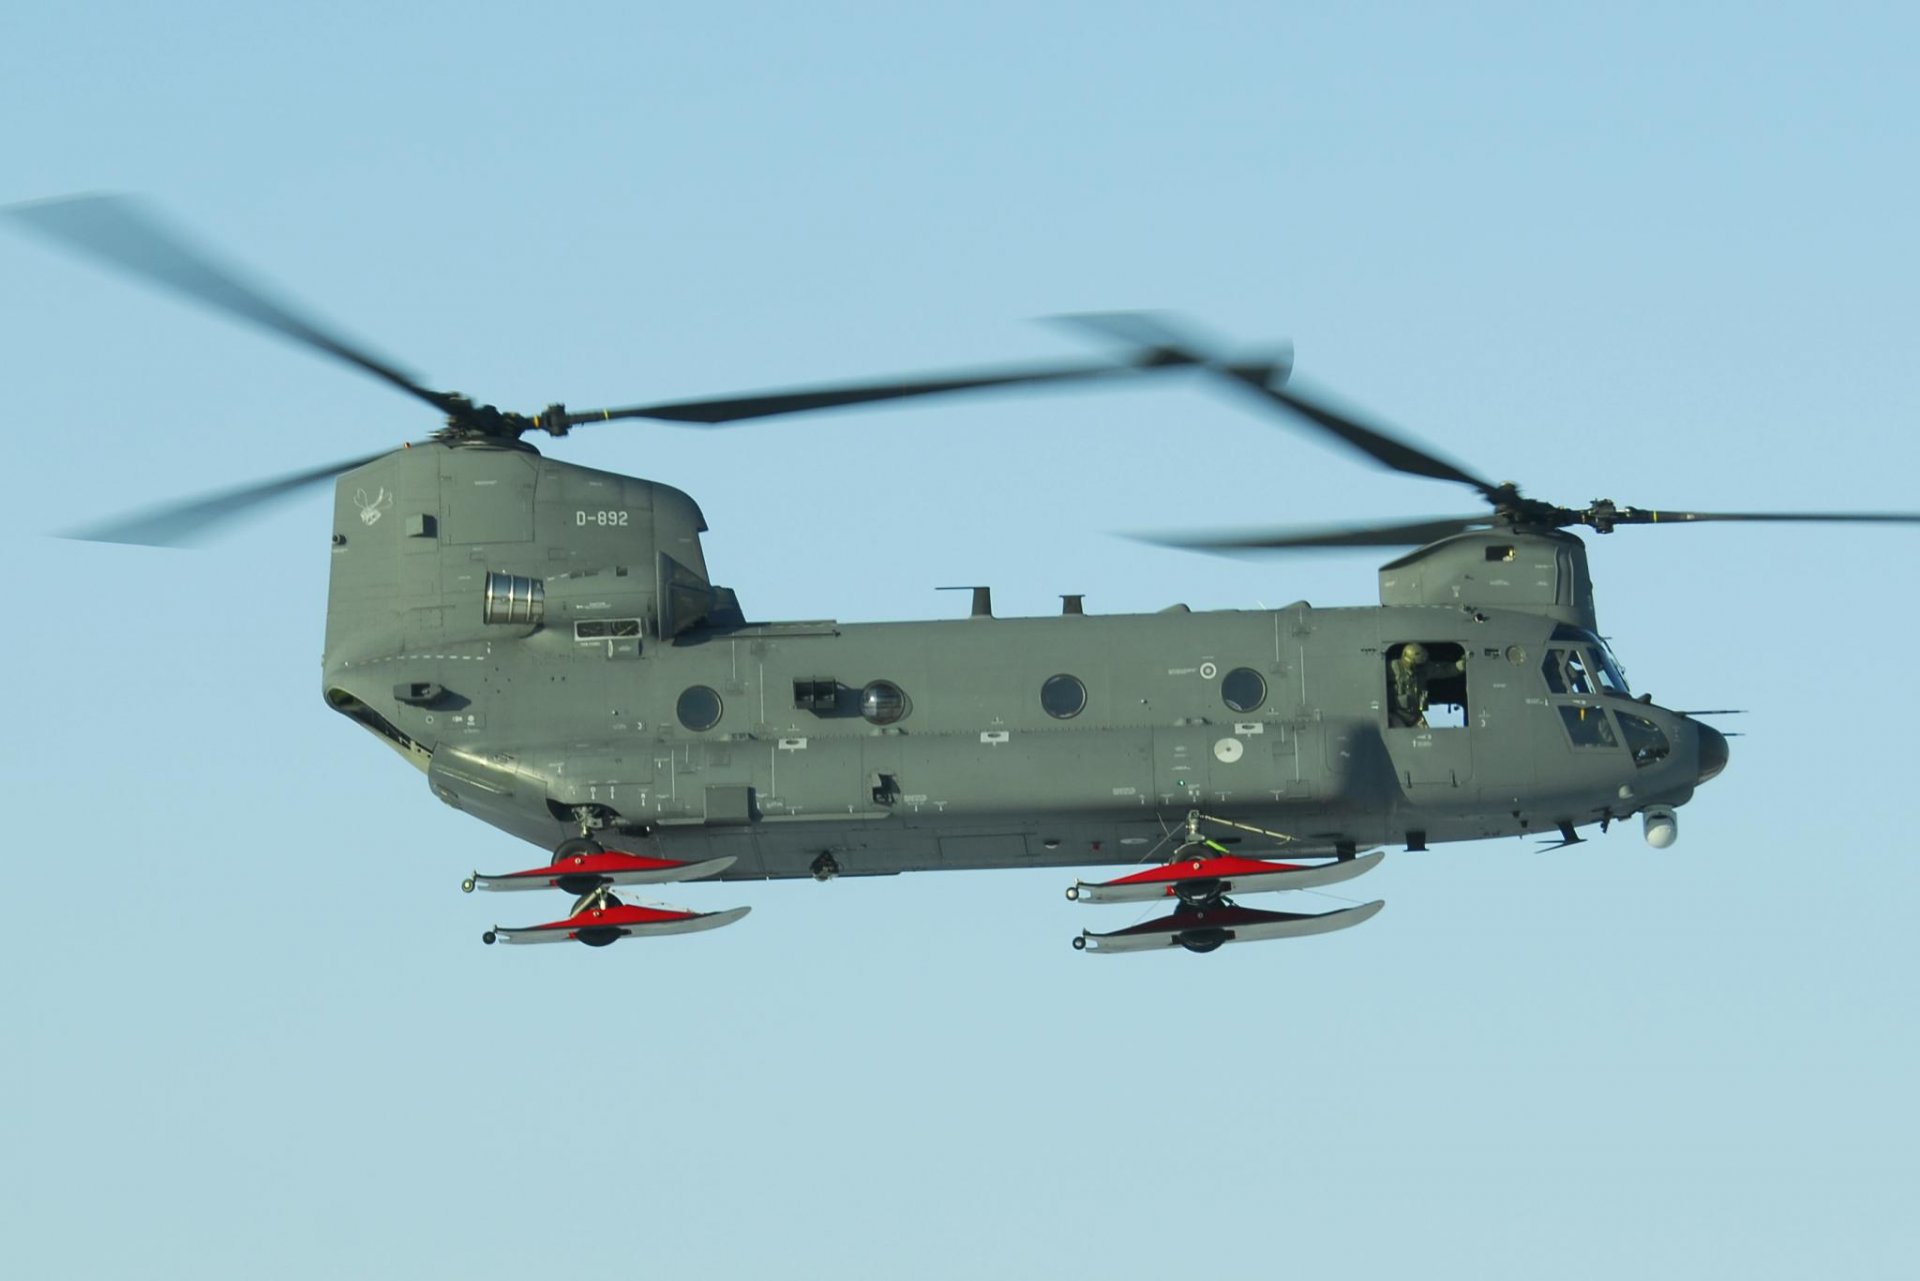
x,y
544,642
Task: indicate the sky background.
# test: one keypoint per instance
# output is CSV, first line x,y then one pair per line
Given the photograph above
x,y
1657,253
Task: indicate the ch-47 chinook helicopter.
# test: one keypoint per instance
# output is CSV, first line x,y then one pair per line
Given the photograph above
x,y
543,641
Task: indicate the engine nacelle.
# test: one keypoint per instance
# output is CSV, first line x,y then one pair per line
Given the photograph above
x,y
1536,571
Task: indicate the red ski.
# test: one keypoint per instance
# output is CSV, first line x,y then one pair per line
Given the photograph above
x,y
601,918
1201,876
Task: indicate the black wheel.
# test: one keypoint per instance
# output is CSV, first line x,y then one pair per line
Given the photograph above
x,y
1200,892
1203,940
466,886
1079,942
1073,893
578,845
598,935
487,938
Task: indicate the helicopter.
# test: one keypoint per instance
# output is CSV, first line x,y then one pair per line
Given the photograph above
x,y
544,642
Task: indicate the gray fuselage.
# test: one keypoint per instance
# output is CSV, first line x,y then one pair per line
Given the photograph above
x,y
543,640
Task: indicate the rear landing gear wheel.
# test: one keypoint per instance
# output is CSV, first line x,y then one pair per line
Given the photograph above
x,y
1079,942
488,938
1073,893
466,886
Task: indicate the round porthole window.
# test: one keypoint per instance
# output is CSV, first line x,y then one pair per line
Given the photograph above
x,y
698,708
1243,689
1063,697
883,702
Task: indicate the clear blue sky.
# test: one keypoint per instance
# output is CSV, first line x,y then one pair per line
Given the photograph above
x,y
1665,257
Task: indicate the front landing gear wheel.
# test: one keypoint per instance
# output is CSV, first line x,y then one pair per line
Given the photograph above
x,y
579,845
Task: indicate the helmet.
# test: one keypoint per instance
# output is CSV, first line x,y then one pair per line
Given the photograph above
x,y
1413,652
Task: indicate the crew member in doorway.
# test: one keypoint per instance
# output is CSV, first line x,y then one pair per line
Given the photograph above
x,y
1408,677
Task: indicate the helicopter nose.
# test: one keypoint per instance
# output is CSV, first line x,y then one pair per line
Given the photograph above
x,y
1713,751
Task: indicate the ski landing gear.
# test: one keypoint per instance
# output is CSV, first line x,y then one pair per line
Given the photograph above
x,y
1200,876
599,916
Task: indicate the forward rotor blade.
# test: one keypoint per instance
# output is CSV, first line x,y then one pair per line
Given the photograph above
x,y
1644,516
731,409
180,523
119,232
1411,534
1381,446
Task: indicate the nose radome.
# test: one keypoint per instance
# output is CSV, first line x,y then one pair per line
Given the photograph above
x,y
1713,751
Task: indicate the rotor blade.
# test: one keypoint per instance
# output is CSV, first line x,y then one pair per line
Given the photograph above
x,y
1411,534
1644,516
180,523
119,232
1379,445
1163,335
730,409
1154,329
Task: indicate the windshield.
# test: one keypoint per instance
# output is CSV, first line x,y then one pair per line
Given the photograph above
x,y
1597,663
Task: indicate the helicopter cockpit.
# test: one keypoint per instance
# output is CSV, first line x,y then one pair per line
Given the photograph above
x,y
1580,666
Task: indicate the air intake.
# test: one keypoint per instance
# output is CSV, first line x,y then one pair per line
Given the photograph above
x,y
514,599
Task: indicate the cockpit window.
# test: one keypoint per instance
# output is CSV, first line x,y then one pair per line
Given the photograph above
x,y
1568,671
1600,658
1582,671
1588,726
1647,741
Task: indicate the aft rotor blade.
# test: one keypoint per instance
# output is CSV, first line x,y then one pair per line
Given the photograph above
x,y
121,233
732,409
1411,534
180,523
1644,516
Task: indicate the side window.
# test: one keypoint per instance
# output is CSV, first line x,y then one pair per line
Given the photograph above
x,y
1426,685
1243,690
1588,726
1647,741
699,708
1063,697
